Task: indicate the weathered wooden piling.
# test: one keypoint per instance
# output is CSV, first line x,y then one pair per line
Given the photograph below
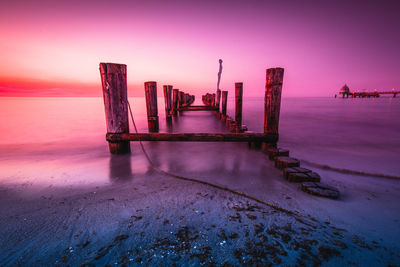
x,y
218,100
224,103
273,91
238,105
113,80
181,97
175,101
167,99
213,99
151,104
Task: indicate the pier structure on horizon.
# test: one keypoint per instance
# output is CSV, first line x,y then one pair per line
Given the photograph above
x,y
346,93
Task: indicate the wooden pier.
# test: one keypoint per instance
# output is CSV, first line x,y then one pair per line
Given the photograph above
x,y
113,77
115,101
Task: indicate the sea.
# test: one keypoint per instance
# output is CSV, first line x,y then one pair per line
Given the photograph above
x,y
61,140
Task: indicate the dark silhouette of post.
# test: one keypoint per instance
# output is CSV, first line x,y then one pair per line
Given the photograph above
x,y
238,105
175,101
151,104
181,96
273,92
113,81
218,100
167,99
224,102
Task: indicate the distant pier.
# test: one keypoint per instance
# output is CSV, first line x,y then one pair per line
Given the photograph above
x,y
345,92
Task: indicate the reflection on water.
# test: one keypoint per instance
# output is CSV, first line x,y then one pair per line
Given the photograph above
x,y
62,140
120,168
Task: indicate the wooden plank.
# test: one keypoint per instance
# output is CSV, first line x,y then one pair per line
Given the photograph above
x,y
192,137
151,105
196,108
113,80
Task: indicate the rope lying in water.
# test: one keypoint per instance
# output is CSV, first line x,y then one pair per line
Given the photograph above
x,y
348,171
223,188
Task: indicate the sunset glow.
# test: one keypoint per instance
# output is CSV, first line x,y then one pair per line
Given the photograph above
x,y
54,47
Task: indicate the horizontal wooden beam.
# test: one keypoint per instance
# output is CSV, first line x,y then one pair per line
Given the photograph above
x,y
193,137
197,108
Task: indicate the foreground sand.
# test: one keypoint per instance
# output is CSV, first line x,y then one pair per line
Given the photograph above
x,y
158,220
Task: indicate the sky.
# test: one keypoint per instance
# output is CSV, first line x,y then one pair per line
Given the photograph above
x,y
53,48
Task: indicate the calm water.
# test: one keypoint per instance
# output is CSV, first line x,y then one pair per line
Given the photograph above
x,y
61,140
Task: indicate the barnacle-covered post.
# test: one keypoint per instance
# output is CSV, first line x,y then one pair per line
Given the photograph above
x,y
273,92
113,81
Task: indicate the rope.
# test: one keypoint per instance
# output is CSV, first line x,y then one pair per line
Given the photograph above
x,y
223,188
348,171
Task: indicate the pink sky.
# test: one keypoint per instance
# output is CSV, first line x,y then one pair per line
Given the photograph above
x,y
55,47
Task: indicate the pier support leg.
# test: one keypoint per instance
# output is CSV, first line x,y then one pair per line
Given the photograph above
x,y
175,101
218,100
113,80
238,106
224,102
151,104
167,99
181,96
273,92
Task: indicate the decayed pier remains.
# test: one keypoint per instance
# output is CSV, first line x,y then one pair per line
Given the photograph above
x,y
114,84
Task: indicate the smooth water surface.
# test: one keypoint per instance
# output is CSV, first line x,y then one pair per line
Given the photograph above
x,y
62,140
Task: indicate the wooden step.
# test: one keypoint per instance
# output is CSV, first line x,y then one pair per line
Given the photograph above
x,y
320,189
274,152
286,162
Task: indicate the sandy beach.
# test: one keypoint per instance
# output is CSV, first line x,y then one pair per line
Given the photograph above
x,y
143,217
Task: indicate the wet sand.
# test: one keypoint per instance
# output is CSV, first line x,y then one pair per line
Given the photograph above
x,y
139,216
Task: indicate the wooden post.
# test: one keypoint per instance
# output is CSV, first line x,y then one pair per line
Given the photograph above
x,y
218,98
113,81
167,99
273,91
238,105
175,101
181,96
151,104
213,100
224,102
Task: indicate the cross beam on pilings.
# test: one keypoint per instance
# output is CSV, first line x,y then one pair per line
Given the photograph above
x,y
196,108
193,137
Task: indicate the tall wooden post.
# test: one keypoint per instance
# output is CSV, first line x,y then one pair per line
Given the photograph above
x,y
167,99
175,101
238,105
273,92
218,100
151,104
113,81
224,102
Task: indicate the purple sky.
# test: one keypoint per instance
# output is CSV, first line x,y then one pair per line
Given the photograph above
x,y
57,45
